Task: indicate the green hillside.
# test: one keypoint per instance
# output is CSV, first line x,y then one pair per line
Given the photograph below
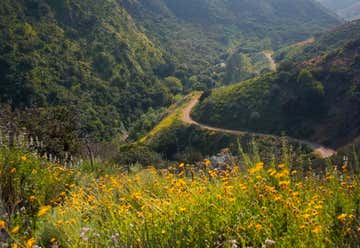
x,y
322,43
89,54
199,32
316,98
109,59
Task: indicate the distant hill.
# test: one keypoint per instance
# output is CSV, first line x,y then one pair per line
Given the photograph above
x,y
199,32
348,9
313,95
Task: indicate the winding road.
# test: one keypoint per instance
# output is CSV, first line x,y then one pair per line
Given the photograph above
x,y
320,150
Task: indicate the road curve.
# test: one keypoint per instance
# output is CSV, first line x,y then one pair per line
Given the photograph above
x,y
320,150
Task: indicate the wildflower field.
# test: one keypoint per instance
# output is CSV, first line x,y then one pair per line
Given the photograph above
x,y
243,205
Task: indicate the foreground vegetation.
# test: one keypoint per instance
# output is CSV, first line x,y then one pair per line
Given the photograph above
x,y
245,203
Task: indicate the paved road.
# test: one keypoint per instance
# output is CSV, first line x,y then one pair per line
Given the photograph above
x,y
322,151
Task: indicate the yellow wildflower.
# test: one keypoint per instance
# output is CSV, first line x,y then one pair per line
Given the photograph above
x,y
14,245
182,165
342,217
34,172
242,186
207,162
258,167
23,158
329,177
2,224
284,173
44,210
278,198
260,164
306,216
13,170
317,207
52,240
281,166
295,194
258,227
136,195
30,243
182,209
15,230
284,184
272,172
269,188
316,230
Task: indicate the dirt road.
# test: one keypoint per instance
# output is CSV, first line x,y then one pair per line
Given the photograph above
x,y
320,150
269,56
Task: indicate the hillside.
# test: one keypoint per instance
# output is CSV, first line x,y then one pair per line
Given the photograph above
x,y
111,60
321,44
348,9
313,98
88,54
202,32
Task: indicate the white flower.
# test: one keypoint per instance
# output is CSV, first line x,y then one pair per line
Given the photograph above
x,y
83,236
115,240
269,242
233,243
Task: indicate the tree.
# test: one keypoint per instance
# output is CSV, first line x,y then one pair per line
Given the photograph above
x,y
311,88
103,64
312,94
174,84
57,128
305,77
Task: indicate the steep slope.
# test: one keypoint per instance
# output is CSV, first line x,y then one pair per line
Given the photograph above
x,y
316,99
85,53
320,44
199,31
348,9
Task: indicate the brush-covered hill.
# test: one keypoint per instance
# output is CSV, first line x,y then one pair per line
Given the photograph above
x,y
89,54
348,9
198,32
315,98
321,44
